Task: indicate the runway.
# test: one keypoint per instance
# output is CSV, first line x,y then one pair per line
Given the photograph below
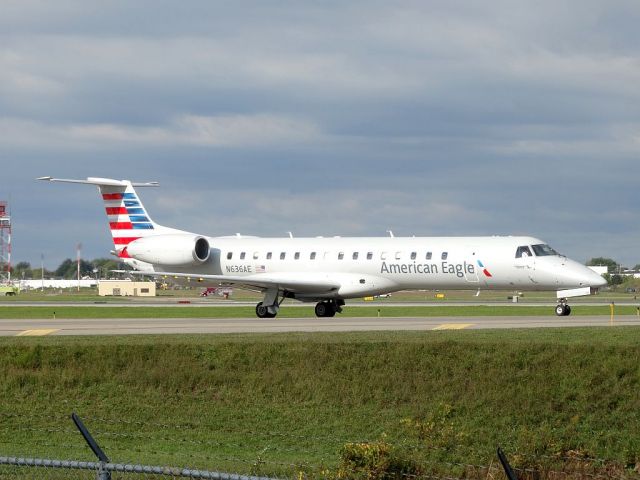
x,y
147,326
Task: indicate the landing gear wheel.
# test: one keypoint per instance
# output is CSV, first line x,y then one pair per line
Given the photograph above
x,y
563,310
263,312
325,309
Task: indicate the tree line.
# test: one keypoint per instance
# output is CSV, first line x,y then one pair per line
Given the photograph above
x,y
68,269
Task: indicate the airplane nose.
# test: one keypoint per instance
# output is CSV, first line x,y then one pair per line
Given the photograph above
x,y
598,280
580,276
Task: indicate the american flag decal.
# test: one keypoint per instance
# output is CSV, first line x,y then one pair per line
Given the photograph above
x,y
260,269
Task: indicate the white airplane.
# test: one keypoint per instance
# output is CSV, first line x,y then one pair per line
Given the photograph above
x,y
330,270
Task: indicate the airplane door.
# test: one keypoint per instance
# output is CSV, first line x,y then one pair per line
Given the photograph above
x,y
525,263
524,259
471,274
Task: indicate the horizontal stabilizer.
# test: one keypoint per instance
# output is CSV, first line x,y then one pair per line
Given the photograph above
x,y
100,182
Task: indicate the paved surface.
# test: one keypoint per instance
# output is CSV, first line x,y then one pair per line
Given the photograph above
x,y
204,303
122,326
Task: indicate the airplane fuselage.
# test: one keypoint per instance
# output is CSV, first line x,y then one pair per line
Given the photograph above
x,y
374,265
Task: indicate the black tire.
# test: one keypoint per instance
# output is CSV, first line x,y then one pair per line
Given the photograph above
x,y
560,310
567,310
262,311
321,309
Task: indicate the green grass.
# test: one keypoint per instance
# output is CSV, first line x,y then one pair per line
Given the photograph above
x,y
186,311
278,404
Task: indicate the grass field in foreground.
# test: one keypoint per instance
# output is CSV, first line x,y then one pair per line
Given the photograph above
x,y
82,311
280,404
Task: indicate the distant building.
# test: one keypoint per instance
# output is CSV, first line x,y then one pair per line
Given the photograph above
x,y
599,269
126,288
51,283
631,273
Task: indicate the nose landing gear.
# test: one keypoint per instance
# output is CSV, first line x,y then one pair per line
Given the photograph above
x,y
563,309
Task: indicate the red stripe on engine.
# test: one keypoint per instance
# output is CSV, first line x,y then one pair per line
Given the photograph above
x,y
116,211
124,240
112,196
120,226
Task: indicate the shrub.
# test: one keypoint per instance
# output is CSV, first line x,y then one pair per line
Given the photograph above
x,y
374,461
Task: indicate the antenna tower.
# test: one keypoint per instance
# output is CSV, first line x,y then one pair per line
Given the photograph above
x,y
5,242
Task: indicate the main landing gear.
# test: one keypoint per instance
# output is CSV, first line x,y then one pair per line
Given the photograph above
x,y
262,311
563,309
269,306
329,308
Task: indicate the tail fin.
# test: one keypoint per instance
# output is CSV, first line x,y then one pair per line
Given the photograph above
x,y
127,216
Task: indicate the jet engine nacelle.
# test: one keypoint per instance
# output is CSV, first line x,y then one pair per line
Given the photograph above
x,y
171,250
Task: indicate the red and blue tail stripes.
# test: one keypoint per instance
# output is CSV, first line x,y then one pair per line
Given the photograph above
x,y
128,219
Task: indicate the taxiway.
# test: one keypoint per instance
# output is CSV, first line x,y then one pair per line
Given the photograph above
x,y
124,326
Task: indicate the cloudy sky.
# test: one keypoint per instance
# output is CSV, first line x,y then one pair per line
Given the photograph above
x,y
325,118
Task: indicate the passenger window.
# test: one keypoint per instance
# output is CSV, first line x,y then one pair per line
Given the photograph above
x,y
229,255
523,252
398,255
312,256
413,255
269,255
256,255
355,255
282,255
369,255
429,255
340,255
444,255
297,256
242,255
383,256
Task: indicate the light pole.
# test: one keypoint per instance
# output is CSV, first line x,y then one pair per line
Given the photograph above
x,y
78,258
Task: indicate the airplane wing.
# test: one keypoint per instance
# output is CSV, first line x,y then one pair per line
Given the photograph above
x,y
290,282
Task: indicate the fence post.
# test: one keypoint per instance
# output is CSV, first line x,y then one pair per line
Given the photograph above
x,y
103,473
505,464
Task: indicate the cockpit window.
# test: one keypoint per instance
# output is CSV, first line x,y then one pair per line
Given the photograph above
x,y
543,250
523,252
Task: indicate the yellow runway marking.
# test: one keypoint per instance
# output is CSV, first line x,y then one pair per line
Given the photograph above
x,y
454,326
37,333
